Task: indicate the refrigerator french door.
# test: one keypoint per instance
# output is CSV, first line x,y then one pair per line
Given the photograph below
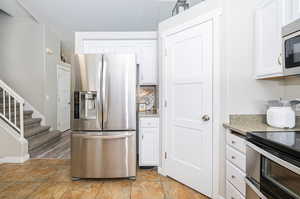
x,y
104,116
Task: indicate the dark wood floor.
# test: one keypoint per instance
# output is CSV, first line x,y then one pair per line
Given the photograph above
x,y
51,179
60,150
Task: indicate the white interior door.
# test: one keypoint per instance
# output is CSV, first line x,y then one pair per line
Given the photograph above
x,y
63,98
189,112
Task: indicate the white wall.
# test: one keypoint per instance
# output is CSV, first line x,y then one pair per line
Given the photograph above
x,y
26,67
50,77
292,89
22,58
245,94
185,16
11,146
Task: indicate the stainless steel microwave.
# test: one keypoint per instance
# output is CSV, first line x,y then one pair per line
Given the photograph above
x,y
291,48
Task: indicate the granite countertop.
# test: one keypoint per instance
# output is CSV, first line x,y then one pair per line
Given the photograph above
x,y
254,123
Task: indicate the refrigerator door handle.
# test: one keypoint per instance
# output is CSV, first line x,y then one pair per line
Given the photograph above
x,y
104,89
110,137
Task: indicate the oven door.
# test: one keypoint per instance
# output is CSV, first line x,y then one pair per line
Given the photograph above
x,y
291,48
280,181
272,177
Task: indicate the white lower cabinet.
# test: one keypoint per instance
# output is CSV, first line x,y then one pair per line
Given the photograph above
x,y
235,166
232,193
149,142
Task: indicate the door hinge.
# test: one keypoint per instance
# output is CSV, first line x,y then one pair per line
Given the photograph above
x,y
166,155
165,103
166,52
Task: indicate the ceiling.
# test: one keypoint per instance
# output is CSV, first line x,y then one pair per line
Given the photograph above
x,y
100,15
68,16
12,8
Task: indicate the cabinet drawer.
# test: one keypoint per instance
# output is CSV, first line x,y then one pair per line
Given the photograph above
x,y
232,193
236,157
236,177
236,142
149,122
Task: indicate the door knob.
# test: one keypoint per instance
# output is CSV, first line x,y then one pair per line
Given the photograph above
x,y
205,118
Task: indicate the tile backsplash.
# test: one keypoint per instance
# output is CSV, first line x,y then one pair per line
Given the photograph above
x,y
148,98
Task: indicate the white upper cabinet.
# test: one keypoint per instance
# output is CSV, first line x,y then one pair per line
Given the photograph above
x,y
270,17
268,23
148,63
143,44
292,8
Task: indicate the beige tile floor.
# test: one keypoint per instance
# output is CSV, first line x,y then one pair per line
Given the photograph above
x,y
50,179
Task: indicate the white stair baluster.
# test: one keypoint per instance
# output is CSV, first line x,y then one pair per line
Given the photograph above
x,y
15,111
9,109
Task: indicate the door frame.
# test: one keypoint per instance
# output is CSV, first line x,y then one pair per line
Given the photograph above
x,y
68,69
215,17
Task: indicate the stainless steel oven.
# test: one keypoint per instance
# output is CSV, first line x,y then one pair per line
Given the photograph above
x,y
271,173
291,48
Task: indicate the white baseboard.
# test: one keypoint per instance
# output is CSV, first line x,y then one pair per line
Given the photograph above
x,y
161,171
14,159
220,197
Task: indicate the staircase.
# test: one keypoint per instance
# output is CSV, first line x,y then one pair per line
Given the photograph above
x,y
11,111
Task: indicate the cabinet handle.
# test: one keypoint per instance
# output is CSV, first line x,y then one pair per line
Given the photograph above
x,y
279,59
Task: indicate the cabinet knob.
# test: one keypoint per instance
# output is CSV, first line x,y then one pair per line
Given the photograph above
x,y
233,157
232,142
232,176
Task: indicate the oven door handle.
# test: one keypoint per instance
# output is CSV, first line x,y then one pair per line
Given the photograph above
x,y
255,189
274,158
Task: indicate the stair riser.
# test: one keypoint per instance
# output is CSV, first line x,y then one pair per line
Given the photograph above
x,y
35,131
31,126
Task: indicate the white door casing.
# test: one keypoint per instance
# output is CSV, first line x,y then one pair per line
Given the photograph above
x,y
63,98
189,138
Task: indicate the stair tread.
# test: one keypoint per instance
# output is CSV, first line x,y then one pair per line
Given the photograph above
x,y
35,130
41,139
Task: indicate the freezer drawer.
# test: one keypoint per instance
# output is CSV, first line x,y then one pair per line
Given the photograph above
x,y
103,154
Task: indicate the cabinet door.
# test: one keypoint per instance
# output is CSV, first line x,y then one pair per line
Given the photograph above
x,y
148,147
295,5
147,58
269,17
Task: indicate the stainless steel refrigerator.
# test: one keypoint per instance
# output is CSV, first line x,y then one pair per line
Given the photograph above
x,y
103,140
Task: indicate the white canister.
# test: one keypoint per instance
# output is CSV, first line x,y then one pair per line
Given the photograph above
x,y
281,117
